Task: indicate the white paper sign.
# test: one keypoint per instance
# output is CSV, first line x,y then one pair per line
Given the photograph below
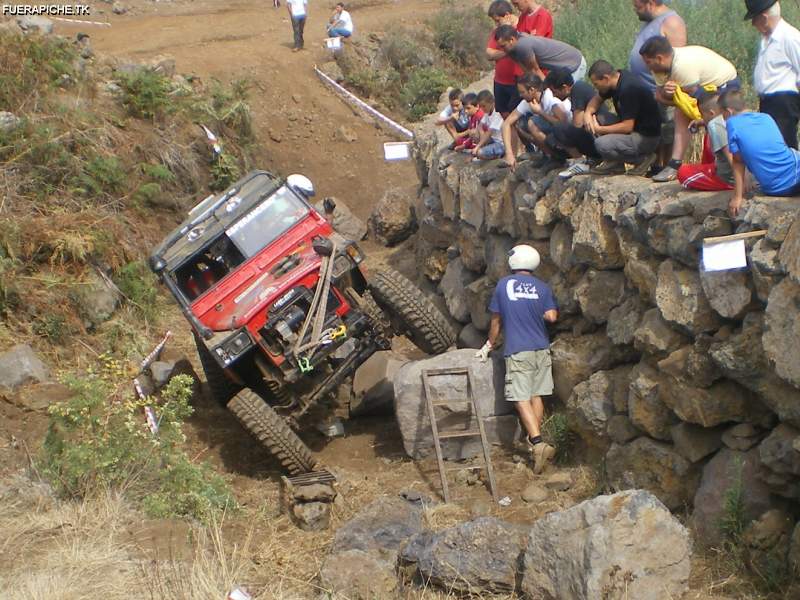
x,y
334,43
724,256
396,151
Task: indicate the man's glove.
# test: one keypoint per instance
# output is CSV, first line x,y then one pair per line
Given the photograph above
x,y
483,353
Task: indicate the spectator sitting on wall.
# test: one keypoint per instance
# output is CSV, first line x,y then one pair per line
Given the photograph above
x,y
689,70
466,142
636,136
490,142
534,53
756,143
340,23
715,171
454,118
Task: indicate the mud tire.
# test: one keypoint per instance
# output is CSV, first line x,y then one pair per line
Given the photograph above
x,y
272,432
222,389
407,306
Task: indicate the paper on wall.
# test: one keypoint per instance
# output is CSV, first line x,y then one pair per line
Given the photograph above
x,y
396,150
334,43
723,256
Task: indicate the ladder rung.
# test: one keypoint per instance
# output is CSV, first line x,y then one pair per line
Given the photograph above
x,y
448,402
462,468
453,371
456,434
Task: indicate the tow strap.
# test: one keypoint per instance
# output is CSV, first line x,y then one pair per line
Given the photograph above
x,y
316,315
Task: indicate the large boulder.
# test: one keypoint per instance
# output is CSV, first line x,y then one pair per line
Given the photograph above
x,y
471,248
692,364
681,300
343,221
575,358
96,300
641,267
728,292
589,408
561,246
646,409
393,218
729,475
674,237
478,295
497,247
480,556
373,390
654,466
694,442
412,412
779,456
790,250
625,545
363,555
437,231
472,195
452,286
381,529
598,292
20,366
624,320
782,330
742,357
35,24
594,242
655,336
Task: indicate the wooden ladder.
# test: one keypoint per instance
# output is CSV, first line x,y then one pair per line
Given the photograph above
x,y
437,437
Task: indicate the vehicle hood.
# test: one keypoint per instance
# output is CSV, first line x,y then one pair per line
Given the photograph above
x,y
259,283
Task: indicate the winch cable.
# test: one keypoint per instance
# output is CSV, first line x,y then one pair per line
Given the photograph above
x,y
318,309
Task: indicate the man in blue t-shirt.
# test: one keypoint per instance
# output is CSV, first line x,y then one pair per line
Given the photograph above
x,y
756,142
522,304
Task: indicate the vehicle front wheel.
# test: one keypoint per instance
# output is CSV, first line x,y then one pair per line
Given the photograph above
x,y
222,389
408,307
272,432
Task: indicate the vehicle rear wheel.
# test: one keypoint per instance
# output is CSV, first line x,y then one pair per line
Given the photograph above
x,y
405,304
272,432
222,389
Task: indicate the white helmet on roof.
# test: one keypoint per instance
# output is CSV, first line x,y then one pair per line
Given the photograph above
x,y
523,258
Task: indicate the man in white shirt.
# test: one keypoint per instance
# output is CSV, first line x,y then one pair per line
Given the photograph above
x,y
297,13
341,23
777,67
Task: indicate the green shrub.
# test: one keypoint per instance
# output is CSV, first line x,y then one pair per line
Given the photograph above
x,y
461,34
101,175
734,519
157,173
228,106
147,194
98,440
406,50
224,171
52,327
420,94
557,433
145,93
138,284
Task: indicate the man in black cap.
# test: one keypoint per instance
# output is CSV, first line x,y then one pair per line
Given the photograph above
x,y
777,69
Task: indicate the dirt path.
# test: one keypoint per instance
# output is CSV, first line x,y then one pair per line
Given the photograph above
x,y
297,119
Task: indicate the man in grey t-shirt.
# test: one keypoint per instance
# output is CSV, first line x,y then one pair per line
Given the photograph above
x,y
534,53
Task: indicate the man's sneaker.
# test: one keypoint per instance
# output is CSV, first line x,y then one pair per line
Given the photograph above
x,y
643,167
609,167
542,454
577,168
666,174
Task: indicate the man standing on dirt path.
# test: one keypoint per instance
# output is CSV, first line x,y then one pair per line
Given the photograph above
x,y
522,305
297,13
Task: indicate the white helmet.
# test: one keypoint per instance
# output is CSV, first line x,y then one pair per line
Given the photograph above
x,y
523,258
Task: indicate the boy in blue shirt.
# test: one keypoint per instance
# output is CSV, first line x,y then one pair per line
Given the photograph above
x,y
756,143
522,305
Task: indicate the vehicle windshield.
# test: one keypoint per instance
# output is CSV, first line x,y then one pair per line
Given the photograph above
x,y
266,222
241,241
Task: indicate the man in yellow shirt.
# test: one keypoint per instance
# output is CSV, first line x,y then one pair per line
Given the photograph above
x,y
693,69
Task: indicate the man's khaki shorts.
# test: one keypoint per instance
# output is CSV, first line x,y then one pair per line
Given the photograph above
x,y
528,374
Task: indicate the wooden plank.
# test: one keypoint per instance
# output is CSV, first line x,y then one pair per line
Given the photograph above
x,y
457,434
450,371
487,458
736,236
435,430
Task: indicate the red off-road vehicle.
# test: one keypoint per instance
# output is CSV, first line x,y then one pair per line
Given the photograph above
x,y
281,307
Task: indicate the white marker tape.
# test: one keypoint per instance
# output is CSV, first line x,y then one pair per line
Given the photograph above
x,y
81,22
348,96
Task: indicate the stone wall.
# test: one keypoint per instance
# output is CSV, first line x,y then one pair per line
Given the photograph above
x,y
685,381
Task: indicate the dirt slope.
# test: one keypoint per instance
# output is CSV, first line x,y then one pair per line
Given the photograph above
x,y
296,118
